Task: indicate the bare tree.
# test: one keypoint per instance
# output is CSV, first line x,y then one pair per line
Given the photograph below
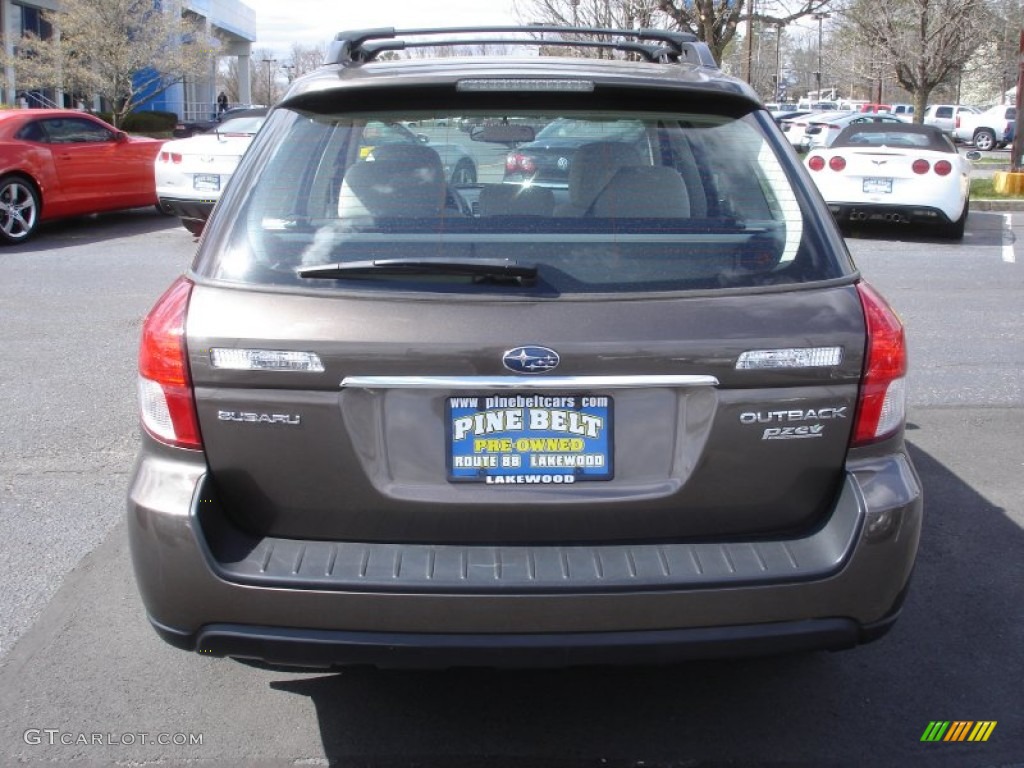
x,y
992,70
266,68
926,41
607,14
126,51
305,59
716,22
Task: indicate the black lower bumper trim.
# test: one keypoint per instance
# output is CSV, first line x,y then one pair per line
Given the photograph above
x,y
893,214
188,209
328,648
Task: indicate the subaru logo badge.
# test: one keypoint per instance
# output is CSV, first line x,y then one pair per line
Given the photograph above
x,y
530,359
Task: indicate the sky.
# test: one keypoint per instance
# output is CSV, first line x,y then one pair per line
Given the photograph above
x,y
280,23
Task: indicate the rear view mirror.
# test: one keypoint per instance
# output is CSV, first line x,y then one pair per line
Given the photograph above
x,y
973,155
503,133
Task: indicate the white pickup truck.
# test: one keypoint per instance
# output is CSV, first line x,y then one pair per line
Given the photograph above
x,y
987,130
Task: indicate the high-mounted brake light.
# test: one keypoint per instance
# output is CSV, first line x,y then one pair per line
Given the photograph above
x,y
881,407
166,400
524,84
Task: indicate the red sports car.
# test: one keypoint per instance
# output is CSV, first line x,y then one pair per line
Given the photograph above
x,y
58,162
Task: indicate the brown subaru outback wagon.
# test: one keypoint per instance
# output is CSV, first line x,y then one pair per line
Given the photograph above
x,y
615,393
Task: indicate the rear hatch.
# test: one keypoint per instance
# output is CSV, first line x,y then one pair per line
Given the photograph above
x,y
679,361
371,449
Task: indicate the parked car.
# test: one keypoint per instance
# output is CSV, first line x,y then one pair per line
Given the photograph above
x,y
796,129
782,118
459,167
909,174
56,163
655,414
986,130
820,106
822,132
185,129
875,108
548,159
191,173
944,116
906,110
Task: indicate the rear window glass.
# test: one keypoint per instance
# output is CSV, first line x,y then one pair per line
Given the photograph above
x,y
597,203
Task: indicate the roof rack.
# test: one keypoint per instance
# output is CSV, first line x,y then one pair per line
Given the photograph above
x,y
359,46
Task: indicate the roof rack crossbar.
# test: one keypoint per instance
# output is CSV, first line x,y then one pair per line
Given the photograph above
x,y
651,53
355,46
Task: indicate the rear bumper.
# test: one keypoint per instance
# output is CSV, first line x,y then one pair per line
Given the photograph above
x,y
208,587
327,648
896,214
184,208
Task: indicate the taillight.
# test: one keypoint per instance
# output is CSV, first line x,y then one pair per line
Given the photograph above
x,y
816,162
920,166
943,167
881,407
166,400
517,163
165,157
956,123
836,163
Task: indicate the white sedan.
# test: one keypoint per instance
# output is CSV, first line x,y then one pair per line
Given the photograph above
x,y
905,174
191,173
822,132
795,127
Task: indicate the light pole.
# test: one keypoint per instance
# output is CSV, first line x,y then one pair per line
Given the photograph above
x,y
270,80
778,61
289,71
817,75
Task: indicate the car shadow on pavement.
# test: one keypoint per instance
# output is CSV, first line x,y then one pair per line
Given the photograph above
x,y
955,653
96,228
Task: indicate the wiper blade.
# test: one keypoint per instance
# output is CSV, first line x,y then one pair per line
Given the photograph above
x,y
499,270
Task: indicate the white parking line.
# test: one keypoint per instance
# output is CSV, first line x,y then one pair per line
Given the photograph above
x,y
1009,256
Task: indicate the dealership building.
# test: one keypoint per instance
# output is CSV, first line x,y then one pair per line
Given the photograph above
x,y
230,21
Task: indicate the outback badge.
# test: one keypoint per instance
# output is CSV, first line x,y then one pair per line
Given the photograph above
x,y
530,359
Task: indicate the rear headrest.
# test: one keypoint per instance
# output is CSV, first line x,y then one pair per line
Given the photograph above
x,y
394,180
592,167
644,191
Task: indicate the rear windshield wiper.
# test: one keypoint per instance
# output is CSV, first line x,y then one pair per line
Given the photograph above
x,y
498,270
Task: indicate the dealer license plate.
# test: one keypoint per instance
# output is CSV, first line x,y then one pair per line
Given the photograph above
x,y
877,186
529,439
206,182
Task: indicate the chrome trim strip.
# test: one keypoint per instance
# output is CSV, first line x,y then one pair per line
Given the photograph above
x,y
531,383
